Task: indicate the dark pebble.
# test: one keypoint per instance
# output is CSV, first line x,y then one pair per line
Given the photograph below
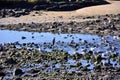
x,y
23,37
18,79
10,61
2,74
18,72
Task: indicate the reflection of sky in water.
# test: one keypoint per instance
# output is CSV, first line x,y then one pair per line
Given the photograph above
x,y
13,36
93,41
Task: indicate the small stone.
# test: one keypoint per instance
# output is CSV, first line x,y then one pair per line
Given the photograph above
x,y
89,28
23,37
18,79
1,78
2,74
18,72
85,69
106,77
98,21
70,29
32,37
10,61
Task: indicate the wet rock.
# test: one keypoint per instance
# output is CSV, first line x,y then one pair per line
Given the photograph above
x,y
70,30
18,72
1,78
118,70
36,7
89,28
33,37
17,15
13,12
85,69
91,52
71,73
79,64
33,71
106,77
1,68
98,58
1,48
10,61
23,37
2,74
98,21
97,68
18,79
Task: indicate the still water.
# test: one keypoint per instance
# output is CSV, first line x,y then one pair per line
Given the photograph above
x,y
71,43
66,42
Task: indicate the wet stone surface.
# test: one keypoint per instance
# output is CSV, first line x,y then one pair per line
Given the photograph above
x,y
47,55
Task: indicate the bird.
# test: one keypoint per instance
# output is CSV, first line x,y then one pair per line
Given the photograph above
x,y
53,41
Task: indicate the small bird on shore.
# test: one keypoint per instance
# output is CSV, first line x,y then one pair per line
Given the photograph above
x,y
53,41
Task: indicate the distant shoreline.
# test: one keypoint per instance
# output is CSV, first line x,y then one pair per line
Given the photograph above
x,y
90,25
49,6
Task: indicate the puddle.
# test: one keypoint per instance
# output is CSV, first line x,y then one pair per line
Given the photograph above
x,y
14,36
71,43
67,42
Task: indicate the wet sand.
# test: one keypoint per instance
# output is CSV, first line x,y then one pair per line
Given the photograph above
x,y
64,16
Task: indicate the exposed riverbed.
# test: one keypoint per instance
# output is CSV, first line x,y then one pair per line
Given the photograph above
x,y
44,53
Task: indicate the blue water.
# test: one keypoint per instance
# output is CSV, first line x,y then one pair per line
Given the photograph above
x,y
65,42
13,36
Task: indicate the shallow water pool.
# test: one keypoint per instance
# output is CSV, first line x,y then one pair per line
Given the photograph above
x,y
67,42
71,43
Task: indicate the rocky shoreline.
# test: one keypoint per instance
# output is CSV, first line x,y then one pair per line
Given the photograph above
x,y
22,63
18,62
100,25
17,9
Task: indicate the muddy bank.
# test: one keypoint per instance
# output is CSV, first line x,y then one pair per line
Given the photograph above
x,y
100,25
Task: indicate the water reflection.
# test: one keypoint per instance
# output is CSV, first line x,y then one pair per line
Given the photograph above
x,y
71,43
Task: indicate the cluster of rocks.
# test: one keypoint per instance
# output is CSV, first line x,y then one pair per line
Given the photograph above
x,y
23,63
103,25
13,12
66,6
9,9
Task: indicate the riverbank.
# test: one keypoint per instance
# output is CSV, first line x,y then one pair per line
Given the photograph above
x,y
100,20
100,25
22,63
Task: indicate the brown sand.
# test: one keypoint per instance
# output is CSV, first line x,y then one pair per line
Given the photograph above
x,y
112,8
51,16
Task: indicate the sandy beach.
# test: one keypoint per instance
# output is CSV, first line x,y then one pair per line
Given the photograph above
x,y
65,16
